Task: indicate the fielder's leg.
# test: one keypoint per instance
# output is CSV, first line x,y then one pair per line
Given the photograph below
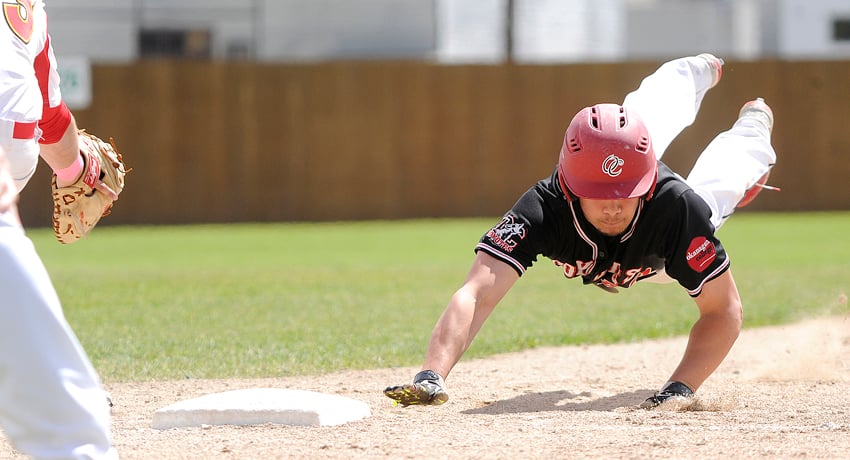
x,y
21,149
735,162
51,401
669,99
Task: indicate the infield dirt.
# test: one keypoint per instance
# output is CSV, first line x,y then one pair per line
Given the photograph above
x,y
783,392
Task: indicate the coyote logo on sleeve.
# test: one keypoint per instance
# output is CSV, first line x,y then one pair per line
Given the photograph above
x,y
507,233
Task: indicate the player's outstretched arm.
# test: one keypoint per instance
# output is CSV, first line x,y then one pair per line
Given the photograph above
x,y
711,338
487,282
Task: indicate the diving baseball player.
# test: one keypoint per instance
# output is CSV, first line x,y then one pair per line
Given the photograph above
x,y
51,402
612,214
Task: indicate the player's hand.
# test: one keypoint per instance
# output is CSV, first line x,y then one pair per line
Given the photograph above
x,y
669,391
428,388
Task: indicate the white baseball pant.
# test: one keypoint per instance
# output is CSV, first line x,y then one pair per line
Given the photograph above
x,y
668,101
52,404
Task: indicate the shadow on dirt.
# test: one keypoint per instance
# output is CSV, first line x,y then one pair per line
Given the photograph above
x,y
561,401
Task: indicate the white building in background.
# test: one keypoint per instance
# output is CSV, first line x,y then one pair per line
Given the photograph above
x,y
814,29
576,30
450,31
471,32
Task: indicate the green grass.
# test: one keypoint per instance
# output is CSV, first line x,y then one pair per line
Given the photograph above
x,y
264,300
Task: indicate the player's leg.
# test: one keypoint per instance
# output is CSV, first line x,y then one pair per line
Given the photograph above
x,y
51,401
668,100
18,140
735,162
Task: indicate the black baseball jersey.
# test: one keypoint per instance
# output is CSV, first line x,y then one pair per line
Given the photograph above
x,y
670,234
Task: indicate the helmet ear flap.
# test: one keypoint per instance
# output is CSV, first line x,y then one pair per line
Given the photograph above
x,y
564,188
651,189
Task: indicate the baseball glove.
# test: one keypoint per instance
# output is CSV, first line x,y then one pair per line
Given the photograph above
x,y
77,208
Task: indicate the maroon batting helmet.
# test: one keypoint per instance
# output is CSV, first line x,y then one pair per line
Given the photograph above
x,y
607,154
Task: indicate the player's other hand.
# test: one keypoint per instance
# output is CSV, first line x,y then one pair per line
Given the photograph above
x,y
669,391
428,388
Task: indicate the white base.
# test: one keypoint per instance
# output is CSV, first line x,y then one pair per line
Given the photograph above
x,y
261,405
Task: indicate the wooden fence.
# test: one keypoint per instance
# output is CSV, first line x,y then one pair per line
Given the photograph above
x,y
227,142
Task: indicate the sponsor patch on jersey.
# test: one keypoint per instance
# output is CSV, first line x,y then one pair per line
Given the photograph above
x,y
701,253
507,233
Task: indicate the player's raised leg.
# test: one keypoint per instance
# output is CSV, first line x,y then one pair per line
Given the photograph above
x,y
668,100
732,169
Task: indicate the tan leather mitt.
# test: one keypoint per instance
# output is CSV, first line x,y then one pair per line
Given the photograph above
x,y
78,208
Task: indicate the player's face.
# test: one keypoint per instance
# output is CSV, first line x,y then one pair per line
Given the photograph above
x,y
611,217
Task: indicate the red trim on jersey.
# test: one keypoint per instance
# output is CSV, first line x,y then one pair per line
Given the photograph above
x,y
722,268
582,233
41,65
499,255
24,130
54,122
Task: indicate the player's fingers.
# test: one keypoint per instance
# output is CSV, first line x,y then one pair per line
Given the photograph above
x,y
390,391
397,392
649,403
407,395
